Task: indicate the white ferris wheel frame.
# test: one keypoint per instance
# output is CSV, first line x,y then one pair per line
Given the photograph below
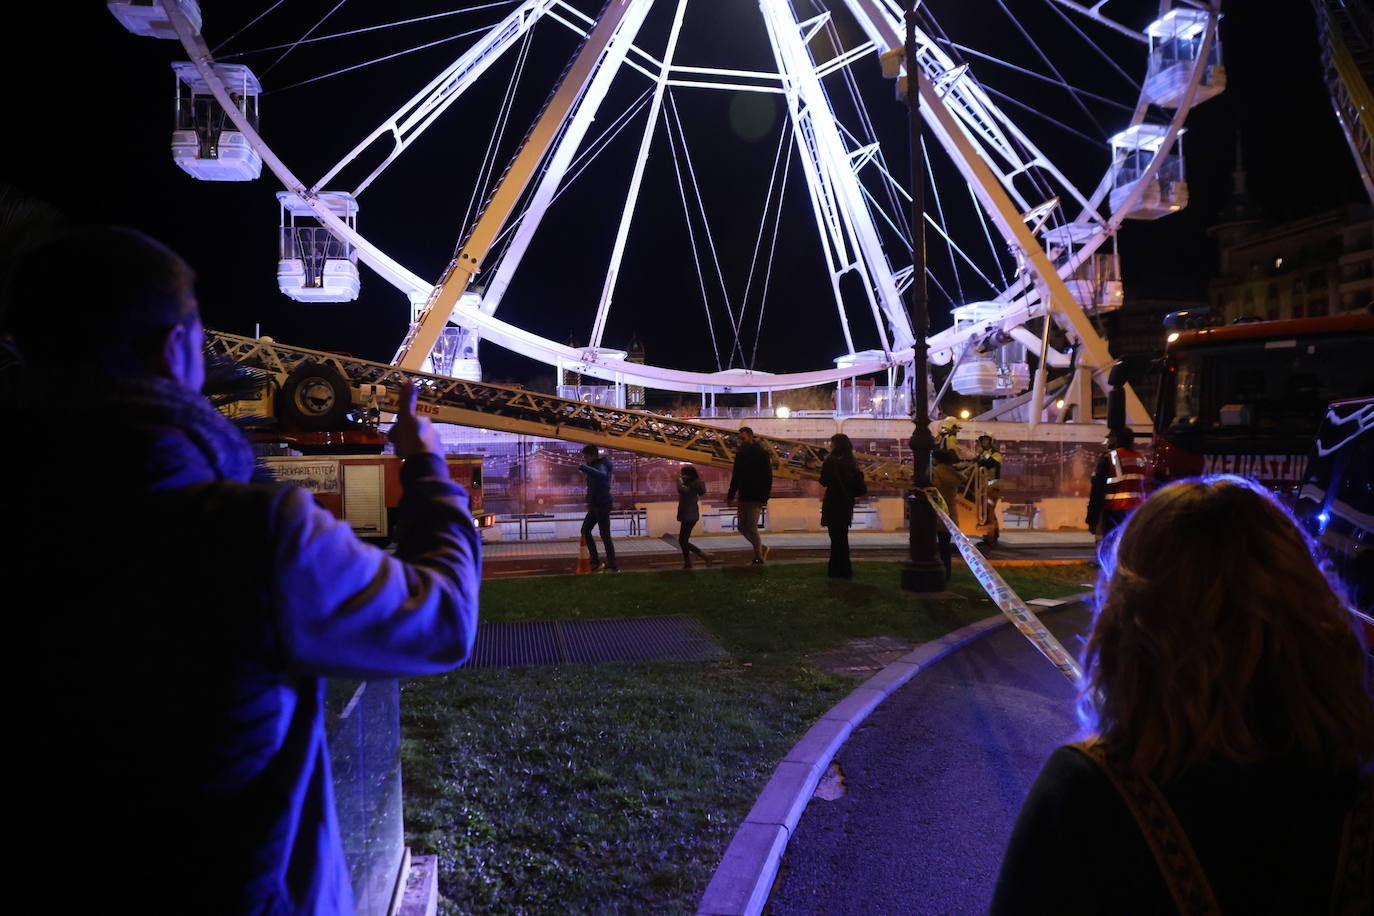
x,y
974,132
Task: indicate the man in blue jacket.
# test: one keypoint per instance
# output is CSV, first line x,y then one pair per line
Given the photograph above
x,y
597,469
182,619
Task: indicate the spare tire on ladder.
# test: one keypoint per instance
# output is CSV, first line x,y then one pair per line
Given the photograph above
x,y
314,397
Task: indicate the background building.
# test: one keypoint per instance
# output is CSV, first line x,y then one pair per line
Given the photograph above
x,y
1318,265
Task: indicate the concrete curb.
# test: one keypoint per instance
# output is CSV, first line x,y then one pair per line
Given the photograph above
x,y
744,878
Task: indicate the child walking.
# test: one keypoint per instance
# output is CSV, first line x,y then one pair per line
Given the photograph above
x,y
690,489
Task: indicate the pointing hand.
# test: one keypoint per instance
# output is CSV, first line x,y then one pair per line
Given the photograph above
x,y
411,434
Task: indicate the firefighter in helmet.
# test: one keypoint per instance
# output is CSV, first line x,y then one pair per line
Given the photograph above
x,y
988,466
1118,485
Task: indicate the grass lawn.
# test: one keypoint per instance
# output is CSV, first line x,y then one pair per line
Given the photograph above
x,y
616,788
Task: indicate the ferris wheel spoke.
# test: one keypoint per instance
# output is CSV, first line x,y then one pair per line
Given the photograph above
x,y
940,212
252,22
603,305
481,187
813,120
562,154
584,159
1025,71
413,118
295,44
778,161
1107,58
1059,77
376,60
1096,16
987,234
692,244
706,224
348,34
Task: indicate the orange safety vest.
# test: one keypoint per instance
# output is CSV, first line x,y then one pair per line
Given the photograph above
x,y
1126,485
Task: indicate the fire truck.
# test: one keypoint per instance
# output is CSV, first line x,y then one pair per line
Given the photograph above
x,y
307,430
1248,398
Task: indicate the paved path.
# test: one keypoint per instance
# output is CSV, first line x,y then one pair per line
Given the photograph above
x,y
933,780
523,558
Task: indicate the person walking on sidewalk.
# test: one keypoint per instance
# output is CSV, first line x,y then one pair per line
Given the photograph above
x,y
597,469
945,478
844,483
690,489
752,481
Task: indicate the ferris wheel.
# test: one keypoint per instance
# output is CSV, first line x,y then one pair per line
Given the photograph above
x,y
1052,123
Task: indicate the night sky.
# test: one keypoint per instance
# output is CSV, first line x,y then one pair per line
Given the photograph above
x,y
89,117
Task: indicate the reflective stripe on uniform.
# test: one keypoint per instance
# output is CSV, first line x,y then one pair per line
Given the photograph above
x,y
1126,486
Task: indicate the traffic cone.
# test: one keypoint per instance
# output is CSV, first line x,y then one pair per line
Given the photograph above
x,y
584,560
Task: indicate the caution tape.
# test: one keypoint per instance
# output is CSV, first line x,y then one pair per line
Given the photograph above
x,y
1007,600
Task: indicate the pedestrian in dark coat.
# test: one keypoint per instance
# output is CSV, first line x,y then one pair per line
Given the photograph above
x,y
597,469
844,483
752,481
690,489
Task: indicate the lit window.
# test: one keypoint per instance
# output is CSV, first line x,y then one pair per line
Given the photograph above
x,y
1278,262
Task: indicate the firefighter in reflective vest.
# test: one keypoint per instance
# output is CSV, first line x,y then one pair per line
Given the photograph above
x,y
988,466
1118,484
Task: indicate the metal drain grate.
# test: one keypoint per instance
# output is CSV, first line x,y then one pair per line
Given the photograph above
x,y
635,639
506,645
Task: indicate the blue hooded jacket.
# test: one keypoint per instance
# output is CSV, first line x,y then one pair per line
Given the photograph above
x,y
187,621
598,474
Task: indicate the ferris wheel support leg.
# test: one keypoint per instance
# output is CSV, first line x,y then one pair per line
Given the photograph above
x,y
1079,397
605,36
1037,404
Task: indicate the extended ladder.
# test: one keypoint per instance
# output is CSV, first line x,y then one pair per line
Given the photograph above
x,y
516,410
1346,33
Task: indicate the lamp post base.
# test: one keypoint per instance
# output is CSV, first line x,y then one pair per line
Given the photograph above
x,y
923,578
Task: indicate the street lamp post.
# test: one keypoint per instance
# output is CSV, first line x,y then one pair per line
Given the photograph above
x,y
922,571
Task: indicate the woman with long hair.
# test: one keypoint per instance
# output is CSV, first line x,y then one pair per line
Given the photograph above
x,y
1232,729
690,489
843,482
